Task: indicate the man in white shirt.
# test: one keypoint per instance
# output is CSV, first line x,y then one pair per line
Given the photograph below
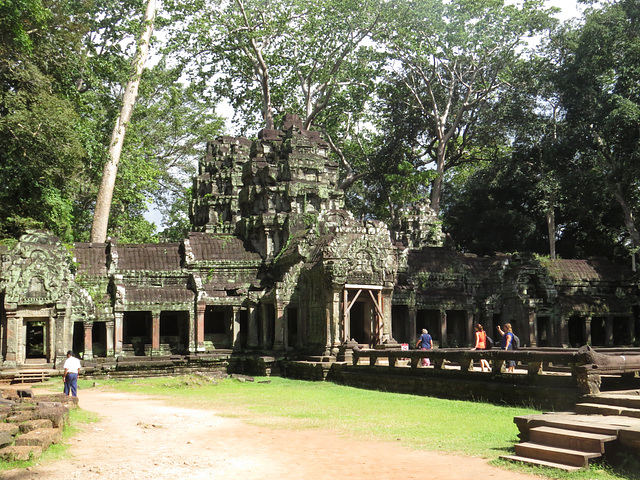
x,y
70,377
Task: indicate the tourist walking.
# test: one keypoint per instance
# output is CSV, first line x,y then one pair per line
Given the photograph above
x,y
507,343
70,377
481,344
425,342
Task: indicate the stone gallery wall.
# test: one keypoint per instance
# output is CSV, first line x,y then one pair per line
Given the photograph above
x,y
276,264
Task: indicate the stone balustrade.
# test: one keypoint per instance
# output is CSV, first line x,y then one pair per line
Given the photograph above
x,y
584,365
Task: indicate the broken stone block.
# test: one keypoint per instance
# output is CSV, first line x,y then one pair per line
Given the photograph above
x,y
5,439
10,428
19,417
20,453
40,438
37,424
24,393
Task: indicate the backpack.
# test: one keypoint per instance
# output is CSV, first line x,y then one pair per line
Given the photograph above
x,y
516,341
488,342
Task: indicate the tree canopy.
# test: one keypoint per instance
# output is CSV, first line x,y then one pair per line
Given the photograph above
x,y
492,112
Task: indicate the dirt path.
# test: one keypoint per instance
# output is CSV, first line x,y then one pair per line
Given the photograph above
x,y
140,438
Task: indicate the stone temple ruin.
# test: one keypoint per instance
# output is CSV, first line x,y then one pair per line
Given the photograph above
x,y
276,264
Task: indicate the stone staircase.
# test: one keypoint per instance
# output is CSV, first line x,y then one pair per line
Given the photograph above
x,y
569,441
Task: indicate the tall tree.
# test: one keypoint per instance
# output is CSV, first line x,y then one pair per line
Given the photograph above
x,y
105,192
454,58
598,82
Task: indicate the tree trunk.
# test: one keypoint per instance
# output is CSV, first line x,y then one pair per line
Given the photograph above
x,y
551,229
110,171
629,221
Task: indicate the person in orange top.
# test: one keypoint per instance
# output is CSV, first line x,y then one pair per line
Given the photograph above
x,y
481,344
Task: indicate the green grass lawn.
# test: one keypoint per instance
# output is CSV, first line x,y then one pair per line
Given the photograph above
x,y
417,422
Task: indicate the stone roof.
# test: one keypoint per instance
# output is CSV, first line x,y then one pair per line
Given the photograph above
x,y
595,304
580,270
219,247
91,258
158,295
440,260
149,256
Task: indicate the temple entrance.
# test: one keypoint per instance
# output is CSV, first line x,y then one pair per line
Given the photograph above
x,y
78,338
429,319
362,309
36,340
292,326
576,332
543,329
217,321
99,339
174,331
457,328
357,324
400,323
136,332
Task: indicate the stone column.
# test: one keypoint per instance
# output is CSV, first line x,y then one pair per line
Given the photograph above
x,y
118,332
280,322
608,328
110,328
88,340
155,333
334,319
471,337
201,307
413,334
533,330
443,328
252,335
631,329
587,330
264,321
564,331
235,333
11,334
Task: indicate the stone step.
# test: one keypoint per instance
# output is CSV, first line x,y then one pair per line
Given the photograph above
x,y
603,409
548,453
543,463
572,439
570,422
621,400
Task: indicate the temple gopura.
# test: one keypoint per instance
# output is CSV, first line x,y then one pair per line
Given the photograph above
x,y
276,264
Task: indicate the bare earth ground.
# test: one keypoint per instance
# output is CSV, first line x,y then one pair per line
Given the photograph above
x,y
140,438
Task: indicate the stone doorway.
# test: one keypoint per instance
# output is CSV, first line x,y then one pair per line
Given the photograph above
x,y
36,335
362,309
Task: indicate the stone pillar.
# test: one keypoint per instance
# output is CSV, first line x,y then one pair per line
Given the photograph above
x,y
118,332
252,335
471,337
346,324
608,328
564,331
443,328
333,317
533,330
587,330
631,329
110,328
88,341
413,334
264,321
155,333
280,322
201,307
235,328
11,334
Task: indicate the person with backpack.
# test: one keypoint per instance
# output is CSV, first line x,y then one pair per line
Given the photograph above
x,y
508,343
425,342
482,343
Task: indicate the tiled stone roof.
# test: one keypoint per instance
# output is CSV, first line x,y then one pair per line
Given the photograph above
x,y
595,304
218,247
149,256
91,258
158,295
580,270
